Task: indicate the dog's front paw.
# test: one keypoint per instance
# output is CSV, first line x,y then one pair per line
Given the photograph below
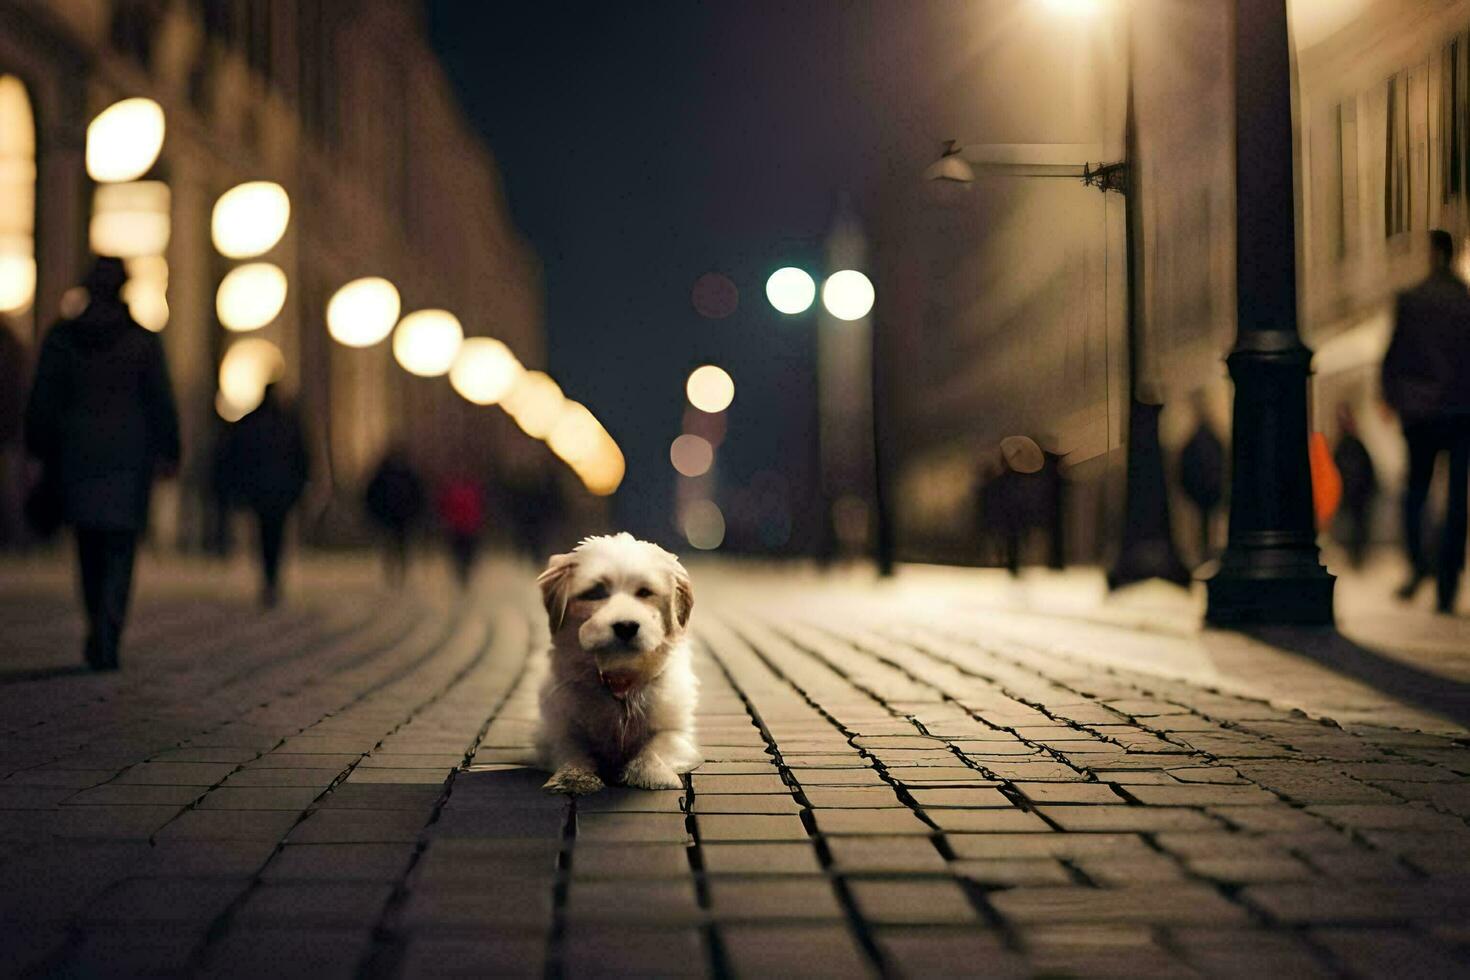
x,y
651,773
573,782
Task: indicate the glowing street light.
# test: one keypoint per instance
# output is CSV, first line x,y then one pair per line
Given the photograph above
x,y
363,311
576,434
130,220
124,140
603,472
848,295
249,219
484,371
791,290
710,389
248,366
692,455
703,525
535,402
146,291
17,196
250,296
427,341
1075,8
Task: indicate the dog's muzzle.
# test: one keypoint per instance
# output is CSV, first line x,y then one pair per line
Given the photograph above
x,y
618,683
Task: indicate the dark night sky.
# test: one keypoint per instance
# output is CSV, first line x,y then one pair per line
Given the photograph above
x,y
642,145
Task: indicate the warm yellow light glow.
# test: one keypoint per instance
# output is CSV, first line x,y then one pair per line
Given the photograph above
x,y
248,366
130,220
17,197
146,291
848,295
710,389
484,371
603,471
249,219
703,525
535,403
791,290
692,455
363,312
124,140
575,436
1075,8
250,296
427,341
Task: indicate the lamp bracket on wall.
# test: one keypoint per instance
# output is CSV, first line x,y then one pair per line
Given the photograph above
x,y
1107,177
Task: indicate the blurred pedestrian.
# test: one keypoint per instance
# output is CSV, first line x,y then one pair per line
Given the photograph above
x,y
395,500
462,512
1359,486
1426,380
1017,499
13,381
1202,478
101,419
267,468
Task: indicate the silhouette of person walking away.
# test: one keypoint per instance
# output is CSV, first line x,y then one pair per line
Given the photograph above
x,y
101,419
268,468
395,499
1426,380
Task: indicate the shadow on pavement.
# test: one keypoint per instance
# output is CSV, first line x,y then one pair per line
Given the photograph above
x,y
42,673
1434,692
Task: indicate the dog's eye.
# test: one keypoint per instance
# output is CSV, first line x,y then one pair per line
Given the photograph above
x,y
644,592
596,592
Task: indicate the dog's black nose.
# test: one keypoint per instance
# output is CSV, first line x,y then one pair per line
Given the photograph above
x,y
626,630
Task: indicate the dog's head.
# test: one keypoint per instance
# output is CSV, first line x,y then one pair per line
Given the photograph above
x,y
622,602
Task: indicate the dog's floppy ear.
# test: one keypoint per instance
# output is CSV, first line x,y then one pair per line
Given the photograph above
x,y
683,599
554,582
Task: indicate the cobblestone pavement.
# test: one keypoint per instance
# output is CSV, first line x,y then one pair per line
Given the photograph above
x,y
893,788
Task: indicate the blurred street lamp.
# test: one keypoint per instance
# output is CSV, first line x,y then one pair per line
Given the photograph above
x,y
250,296
484,371
574,437
363,312
248,366
124,140
710,389
848,295
17,197
427,341
535,402
691,455
791,290
146,291
249,219
703,525
130,220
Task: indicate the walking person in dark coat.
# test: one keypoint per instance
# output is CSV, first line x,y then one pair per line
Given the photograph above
x,y
1359,486
268,467
395,499
1426,380
1202,478
101,419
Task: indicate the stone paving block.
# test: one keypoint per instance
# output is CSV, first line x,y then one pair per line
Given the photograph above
x,y
1215,775
1213,795
407,777
636,827
1389,953
911,902
955,775
970,797
208,858
495,903
1268,818
1128,818
357,826
1038,771
1330,902
349,796
619,860
296,760
540,822
1360,865
176,773
259,798
129,949
315,903
1134,777
1247,870
767,898
884,822
507,954
1400,816
1247,953
907,855
1069,792
137,795
738,769
991,821
755,803
106,822
598,950
859,797
708,785
32,797
941,952
758,858
771,950
207,753
398,760
340,862
1137,869
317,778
750,827
75,778
1154,904
468,861
181,900
1048,845
321,952
616,799
837,777
1008,873
663,901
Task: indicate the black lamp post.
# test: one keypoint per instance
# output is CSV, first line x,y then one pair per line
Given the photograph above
x,y
1271,571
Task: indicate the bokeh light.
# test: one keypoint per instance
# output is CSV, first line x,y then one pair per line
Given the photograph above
x,y
692,455
535,403
710,389
124,140
363,311
250,296
17,196
248,366
714,296
130,220
427,341
791,290
484,371
848,295
709,427
602,472
146,291
703,525
1074,8
249,219
575,435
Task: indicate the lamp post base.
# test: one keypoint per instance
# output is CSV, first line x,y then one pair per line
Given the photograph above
x,y
1269,595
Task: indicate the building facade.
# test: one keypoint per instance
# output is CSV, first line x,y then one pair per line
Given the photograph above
x,y
346,108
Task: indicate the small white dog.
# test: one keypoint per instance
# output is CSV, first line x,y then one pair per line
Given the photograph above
x,y
618,702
